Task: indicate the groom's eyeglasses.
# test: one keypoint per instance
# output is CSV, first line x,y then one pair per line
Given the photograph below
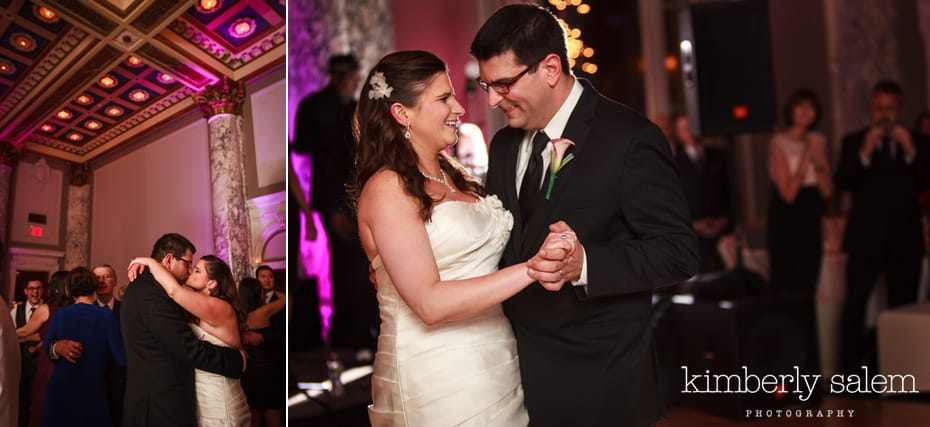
x,y
189,264
502,86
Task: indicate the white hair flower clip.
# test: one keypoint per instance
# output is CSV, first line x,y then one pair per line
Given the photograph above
x,y
379,87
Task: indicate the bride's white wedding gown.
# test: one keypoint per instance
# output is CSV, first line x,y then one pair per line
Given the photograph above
x,y
220,400
457,373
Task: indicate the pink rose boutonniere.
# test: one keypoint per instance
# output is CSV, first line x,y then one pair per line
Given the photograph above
x,y
558,160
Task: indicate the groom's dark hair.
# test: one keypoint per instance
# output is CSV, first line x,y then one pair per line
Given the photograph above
x,y
171,243
532,32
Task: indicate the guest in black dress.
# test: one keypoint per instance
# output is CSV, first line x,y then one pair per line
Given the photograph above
x,y
801,182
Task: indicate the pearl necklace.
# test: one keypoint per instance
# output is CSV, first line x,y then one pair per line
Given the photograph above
x,y
443,180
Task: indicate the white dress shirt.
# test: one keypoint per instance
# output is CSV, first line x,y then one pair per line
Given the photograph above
x,y
554,131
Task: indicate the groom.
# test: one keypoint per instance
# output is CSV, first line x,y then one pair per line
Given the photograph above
x,y
586,351
161,349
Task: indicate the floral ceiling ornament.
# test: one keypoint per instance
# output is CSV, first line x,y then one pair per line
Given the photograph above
x,y
224,97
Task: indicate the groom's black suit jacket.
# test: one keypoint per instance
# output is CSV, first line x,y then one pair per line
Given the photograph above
x,y
588,358
161,354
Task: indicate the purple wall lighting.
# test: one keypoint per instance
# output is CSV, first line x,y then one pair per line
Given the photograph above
x,y
314,255
306,74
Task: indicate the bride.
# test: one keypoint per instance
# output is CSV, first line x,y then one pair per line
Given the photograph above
x,y
446,353
211,298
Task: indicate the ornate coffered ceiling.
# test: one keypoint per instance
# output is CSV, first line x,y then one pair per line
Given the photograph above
x,y
79,77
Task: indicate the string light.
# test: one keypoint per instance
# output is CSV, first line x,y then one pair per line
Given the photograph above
x,y
576,46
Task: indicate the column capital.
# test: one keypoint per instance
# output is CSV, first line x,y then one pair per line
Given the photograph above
x,y
224,97
80,173
9,154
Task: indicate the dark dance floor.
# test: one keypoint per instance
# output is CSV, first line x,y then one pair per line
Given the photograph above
x,y
350,410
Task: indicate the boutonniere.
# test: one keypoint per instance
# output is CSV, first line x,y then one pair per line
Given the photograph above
x,y
558,160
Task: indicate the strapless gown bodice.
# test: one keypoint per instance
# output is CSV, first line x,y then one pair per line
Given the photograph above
x,y
457,373
220,400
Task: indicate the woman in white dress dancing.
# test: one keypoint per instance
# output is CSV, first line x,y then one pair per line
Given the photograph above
x,y
211,298
446,353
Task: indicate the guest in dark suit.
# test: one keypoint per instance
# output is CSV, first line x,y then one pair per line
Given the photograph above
x,y
28,344
161,349
57,298
75,392
884,167
704,177
323,128
264,381
586,351
116,374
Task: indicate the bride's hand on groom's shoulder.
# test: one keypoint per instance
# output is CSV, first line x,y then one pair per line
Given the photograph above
x,y
136,267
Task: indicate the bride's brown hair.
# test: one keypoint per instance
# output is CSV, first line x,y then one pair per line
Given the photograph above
x,y
381,142
225,289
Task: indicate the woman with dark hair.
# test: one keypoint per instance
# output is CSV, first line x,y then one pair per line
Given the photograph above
x,y
211,298
57,298
801,182
446,353
76,394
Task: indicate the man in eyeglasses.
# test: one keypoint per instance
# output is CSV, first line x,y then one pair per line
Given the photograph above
x,y
116,374
29,350
884,167
586,350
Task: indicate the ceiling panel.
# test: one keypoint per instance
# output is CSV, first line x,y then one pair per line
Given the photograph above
x,y
79,78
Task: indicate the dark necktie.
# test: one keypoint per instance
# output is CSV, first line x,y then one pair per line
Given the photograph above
x,y
32,311
529,188
886,149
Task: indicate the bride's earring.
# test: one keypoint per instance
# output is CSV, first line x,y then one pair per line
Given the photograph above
x,y
407,132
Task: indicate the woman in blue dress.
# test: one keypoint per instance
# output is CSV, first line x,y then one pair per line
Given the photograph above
x,y
76,392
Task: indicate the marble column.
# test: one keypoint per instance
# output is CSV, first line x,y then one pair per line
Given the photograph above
x,y
8,158
862,48
77,237
221,104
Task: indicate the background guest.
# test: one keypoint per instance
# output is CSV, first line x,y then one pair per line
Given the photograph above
x,y
75,395
704,175
28,344
57,298
264,378
472,150
9,371
801,183
884,167
116,374
323,128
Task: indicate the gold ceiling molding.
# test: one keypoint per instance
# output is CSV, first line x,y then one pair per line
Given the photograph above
x,y
41,71
131,123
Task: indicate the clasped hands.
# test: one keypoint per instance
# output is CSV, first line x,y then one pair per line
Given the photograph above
x,y
559,259
897,133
